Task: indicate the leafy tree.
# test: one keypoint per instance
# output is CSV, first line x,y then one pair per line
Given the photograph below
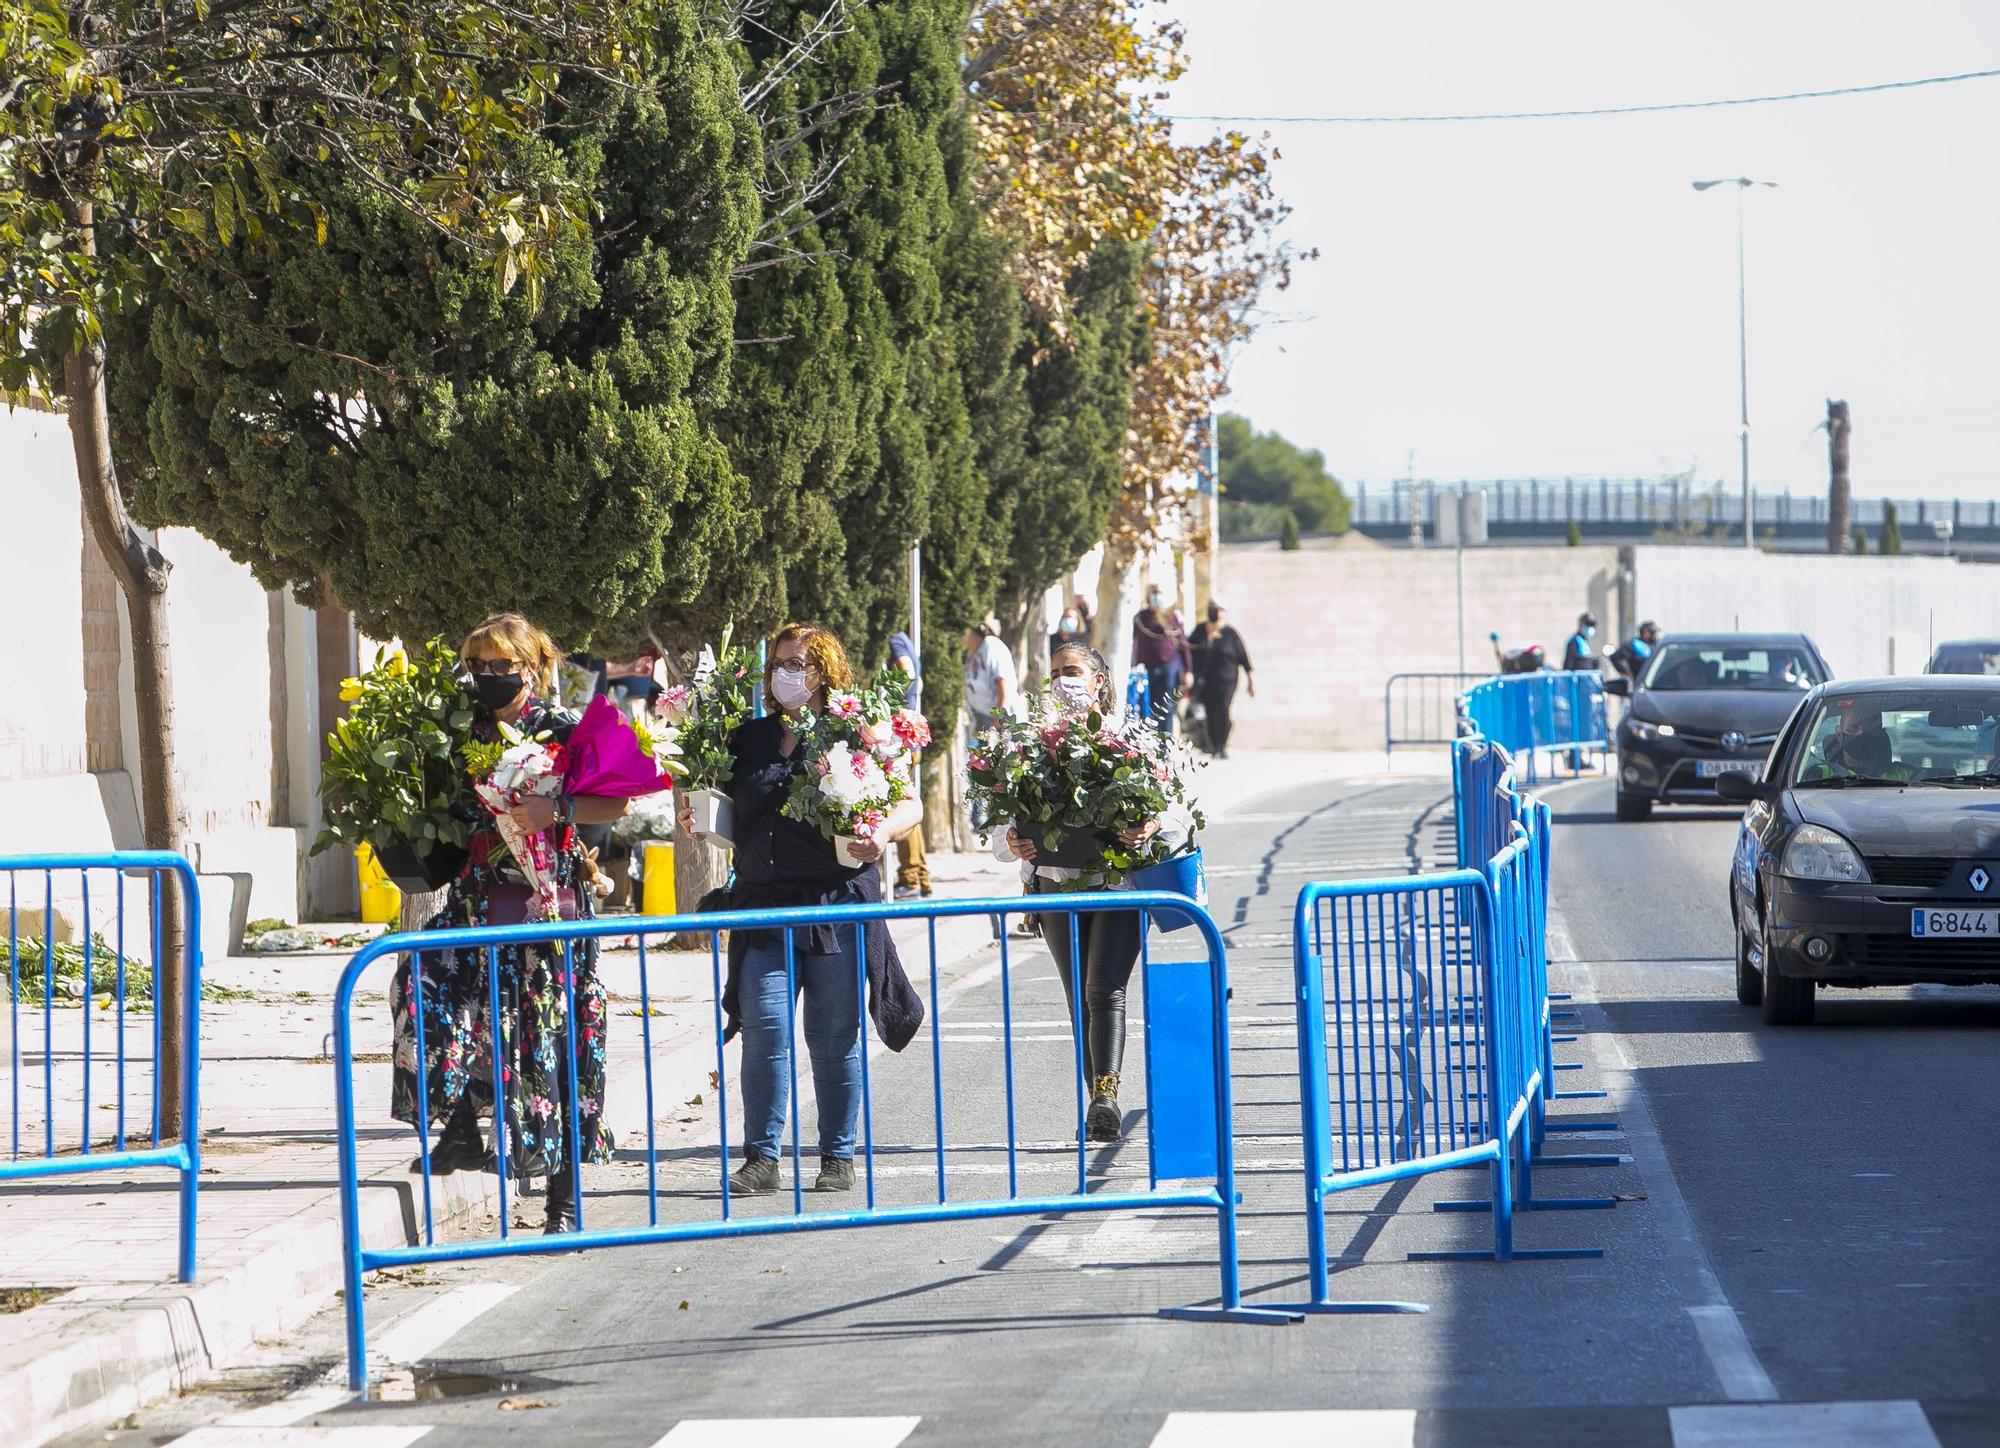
x,y
1262,467
141,141
837,322
1288,532
366,420
1860,539
1573,535
1067,103
1892,531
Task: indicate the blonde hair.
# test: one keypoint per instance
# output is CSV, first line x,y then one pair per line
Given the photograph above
x,y
822,649
512,635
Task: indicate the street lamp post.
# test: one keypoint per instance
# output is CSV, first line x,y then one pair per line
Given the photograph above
x,y
1742,184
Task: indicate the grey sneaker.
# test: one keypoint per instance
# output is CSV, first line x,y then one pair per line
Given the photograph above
x,y
836,1174
757,1177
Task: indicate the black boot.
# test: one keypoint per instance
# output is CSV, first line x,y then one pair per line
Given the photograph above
x,y
458,1146
1104,1120
561,1206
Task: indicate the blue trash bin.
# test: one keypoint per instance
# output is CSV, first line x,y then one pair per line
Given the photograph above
x,y
1181,875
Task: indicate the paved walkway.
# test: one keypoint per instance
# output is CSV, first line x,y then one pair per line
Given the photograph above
x,y
123,1332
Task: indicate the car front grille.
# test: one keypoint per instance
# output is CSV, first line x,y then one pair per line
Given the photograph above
x,y
1752,744
1911,874
1890,952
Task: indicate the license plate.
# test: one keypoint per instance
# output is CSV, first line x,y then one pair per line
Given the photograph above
x,y
1928,924
1710,768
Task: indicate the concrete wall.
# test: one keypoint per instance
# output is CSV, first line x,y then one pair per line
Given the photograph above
x,y
1329,623
1869,615
246,697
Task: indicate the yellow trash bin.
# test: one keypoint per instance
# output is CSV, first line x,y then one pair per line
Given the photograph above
x,y
658,895
381,901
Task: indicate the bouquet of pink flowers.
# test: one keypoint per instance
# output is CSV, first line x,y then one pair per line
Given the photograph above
x,y
511,772
861,755
1073,782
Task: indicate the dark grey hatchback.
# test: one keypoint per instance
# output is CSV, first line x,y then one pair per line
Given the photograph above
x,y
1706,705
1870,851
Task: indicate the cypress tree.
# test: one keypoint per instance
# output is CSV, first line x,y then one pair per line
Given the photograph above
x,y
366,420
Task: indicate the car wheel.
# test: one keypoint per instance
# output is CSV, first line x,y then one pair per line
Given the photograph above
x,y
1749,978
1633,807
1788,1000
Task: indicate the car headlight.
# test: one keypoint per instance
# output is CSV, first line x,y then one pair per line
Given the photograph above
x,y
1642,730
1814,853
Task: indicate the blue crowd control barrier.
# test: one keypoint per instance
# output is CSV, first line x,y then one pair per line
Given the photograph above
x,y
1528,714
1138,693
1419,709
1183,1020
1433,992
102,1030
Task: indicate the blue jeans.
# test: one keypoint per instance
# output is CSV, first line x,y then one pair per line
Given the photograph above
x,y
1165,682
833,1039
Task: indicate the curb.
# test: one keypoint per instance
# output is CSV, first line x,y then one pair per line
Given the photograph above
x,y
101,1352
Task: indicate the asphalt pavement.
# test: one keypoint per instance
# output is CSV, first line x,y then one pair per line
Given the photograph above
x,y
1801,1246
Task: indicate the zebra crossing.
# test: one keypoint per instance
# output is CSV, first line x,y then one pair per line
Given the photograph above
x,y
1894,1424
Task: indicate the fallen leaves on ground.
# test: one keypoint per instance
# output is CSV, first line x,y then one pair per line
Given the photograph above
x,y
523,1405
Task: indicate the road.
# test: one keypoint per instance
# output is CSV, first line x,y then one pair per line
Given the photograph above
x,y
1802,1216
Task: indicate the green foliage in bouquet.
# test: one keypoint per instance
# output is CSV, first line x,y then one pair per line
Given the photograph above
x,y
700,716
396,760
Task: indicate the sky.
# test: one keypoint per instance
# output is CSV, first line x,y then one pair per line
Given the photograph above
x,y
1541,298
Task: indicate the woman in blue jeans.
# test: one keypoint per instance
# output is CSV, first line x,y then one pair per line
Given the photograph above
x,y
782,864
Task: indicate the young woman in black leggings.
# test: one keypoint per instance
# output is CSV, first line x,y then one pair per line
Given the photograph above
x,y
1107,942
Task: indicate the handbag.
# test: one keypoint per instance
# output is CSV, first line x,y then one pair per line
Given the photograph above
x,y
509,904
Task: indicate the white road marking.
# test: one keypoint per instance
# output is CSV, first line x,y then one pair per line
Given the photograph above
x,y
1716,1325
788,1432
420,1334
1312,1428
304,1403
1824,1425
371,1436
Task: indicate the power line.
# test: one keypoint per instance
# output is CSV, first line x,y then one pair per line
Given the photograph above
x,y
1812,95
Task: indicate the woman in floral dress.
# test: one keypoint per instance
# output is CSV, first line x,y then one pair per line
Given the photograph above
x,y
512,665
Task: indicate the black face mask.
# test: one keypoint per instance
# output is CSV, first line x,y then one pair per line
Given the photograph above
x,y
496,691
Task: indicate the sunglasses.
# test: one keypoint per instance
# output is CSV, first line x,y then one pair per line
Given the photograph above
x,y
476,667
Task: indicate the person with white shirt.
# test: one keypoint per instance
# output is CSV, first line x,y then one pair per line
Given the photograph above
x,y
1107,942
991,685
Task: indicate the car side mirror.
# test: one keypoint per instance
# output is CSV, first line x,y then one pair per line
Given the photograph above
x,y
1619,685
1740,788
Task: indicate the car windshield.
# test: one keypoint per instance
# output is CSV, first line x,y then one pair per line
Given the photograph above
x,y
1936,739
1979,658
1775,668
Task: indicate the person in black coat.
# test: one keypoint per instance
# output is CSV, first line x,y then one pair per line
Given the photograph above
x,y
784,864
1576,653
1219,660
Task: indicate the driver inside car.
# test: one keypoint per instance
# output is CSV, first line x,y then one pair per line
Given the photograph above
x,y
1858,747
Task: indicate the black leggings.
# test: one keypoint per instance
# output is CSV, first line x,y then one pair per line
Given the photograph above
x,y
1215,704
1109,945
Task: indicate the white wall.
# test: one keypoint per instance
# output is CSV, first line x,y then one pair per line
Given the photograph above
x,y
1327,624
1869,615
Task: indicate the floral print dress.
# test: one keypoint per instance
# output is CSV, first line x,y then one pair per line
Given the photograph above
x,y
534,1003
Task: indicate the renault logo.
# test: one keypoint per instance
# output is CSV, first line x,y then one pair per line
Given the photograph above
x,y
1979,880
1733,740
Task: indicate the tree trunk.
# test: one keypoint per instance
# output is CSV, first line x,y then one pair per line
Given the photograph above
x,y
1034,655
698,868
1840,493
1114,629
141,570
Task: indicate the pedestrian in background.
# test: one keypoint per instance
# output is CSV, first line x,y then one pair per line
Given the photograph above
x,y
1577,653
1160,647
1071,628
1220,661
913,873
1107,942
1631,657
991,685
782,863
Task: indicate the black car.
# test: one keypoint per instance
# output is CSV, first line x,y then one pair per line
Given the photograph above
x,y
1966,656
1703,706
1870,851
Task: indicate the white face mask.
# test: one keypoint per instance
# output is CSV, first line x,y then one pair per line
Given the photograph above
x,y
792,691
1074,694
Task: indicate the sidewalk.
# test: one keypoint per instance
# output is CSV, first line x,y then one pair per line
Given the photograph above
x,y
121,1332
